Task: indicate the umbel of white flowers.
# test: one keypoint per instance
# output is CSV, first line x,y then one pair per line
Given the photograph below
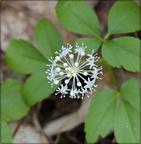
x,y
78,71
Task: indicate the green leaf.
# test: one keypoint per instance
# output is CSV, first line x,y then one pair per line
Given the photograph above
x,y
37,88
5,133
123,51
101,114
127,123
13,105
48,38
130,90
78,17
124,17
91,43
22,57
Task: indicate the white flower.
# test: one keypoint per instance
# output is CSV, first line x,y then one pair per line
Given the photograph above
x,y
84,92
89,84
92,59
79,80
63,90
74,93
65,50
80,50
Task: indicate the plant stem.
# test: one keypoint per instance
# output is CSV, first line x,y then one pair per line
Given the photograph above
x,y
99,38
109,67
18,126
113,76
111,73
106,36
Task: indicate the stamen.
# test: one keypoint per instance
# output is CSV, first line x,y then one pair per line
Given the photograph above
x,y
65,64
71,56
61,73
79,84
74,74
76,64
58,69
57,58
66,81
85,73
68,75
56,82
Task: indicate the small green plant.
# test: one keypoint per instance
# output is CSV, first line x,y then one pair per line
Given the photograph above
x,y
119,108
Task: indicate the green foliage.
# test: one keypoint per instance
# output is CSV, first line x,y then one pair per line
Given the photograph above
x,y
109,109
5,133
120,110
91,43
47,38
123,51
78,17
37,88
101,115
127,123
13,105
124,17
22,57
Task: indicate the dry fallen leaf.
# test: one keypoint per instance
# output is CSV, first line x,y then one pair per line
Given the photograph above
x,y
27,134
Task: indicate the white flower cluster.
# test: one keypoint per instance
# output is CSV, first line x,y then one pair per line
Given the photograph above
x,y
78,72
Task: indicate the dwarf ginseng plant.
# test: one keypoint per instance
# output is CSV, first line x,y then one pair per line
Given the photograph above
x,y
67,68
